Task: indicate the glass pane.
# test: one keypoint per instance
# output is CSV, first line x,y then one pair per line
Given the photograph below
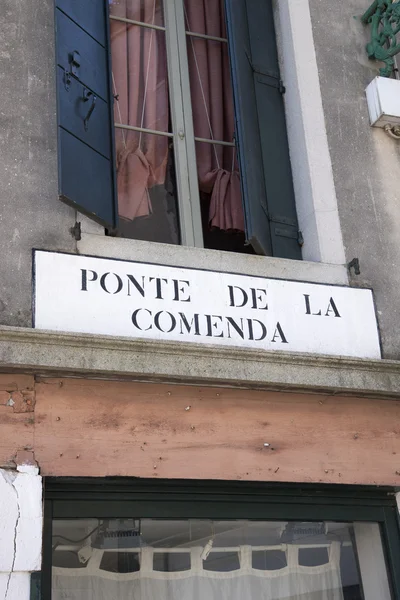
x,y
213,119
144,11
147,196
206,17
211,89
221,198
119,559
147,192
139,77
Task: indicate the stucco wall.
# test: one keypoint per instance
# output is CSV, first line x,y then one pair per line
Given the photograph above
x,y
30,213
365,160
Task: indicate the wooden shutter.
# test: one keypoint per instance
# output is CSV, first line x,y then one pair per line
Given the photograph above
x,y
85,140
267,187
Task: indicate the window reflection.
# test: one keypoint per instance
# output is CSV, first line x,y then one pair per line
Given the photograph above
x,y
209,560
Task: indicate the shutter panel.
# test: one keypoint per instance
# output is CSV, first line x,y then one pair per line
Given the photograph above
x,y
267,186
85,134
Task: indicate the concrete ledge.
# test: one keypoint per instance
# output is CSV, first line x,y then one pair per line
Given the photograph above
x,y
66,354
201,258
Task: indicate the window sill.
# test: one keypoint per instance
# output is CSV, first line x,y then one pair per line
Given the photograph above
x,y
94,244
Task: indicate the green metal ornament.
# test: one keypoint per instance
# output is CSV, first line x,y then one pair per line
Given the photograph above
x,y
384,18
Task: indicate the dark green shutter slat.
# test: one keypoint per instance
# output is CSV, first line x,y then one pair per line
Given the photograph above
x,y
247,131
268,196
73,112
88,14
271,114
85,174
93,56
86,155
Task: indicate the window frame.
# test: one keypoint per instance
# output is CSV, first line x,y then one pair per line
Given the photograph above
x,y
87,163
190,225
97,497
184,140
260,132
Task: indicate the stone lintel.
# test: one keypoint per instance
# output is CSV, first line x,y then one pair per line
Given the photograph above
x,y
73,354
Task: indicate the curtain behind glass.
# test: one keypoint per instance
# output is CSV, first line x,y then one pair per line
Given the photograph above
x,y
213,113
293,582
140,84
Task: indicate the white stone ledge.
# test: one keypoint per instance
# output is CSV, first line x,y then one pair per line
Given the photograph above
x,y
69,354
201,258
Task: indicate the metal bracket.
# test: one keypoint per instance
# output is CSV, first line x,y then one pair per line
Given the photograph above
x,y
76,231
287,233
266,77
86,95
384,18
354,264
74,60
290,231
270,80
67,80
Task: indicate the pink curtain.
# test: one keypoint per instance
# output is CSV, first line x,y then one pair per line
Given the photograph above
x,y
141,88
213,114
140,84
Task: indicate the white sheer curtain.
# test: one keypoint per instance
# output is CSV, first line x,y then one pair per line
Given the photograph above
x,y
293,582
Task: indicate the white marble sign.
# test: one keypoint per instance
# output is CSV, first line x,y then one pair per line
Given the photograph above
x,y
139,300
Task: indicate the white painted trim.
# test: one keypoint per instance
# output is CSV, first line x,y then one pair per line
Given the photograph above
x,y
316,200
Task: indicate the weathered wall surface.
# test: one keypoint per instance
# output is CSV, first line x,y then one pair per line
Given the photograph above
x,y
101,428
365,160
30,213
21,530
17,417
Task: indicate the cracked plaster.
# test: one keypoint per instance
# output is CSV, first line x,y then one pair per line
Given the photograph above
x,y
20,530
15,587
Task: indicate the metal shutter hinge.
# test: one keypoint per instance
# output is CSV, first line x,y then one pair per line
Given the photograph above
x,y
74,60
287,233
266,77
290,231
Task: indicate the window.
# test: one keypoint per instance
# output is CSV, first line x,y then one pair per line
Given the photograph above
x,y
155,558
171,122
118,540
